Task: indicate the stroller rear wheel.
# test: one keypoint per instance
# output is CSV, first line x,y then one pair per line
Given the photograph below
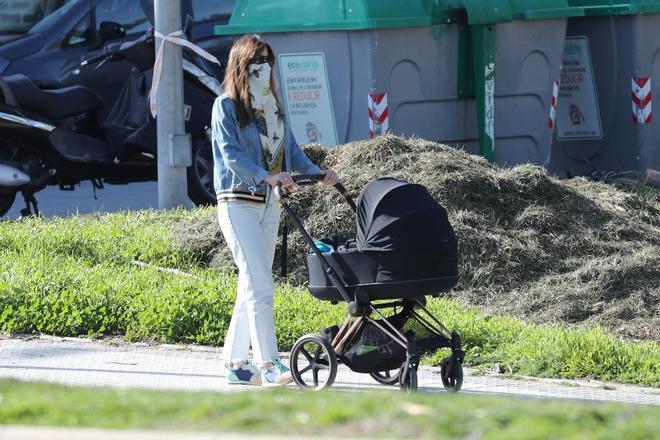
x,y
313,362
408,378
451,373
389,377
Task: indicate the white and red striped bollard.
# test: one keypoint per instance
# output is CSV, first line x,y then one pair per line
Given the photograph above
x,y
553,105
378,114
641,100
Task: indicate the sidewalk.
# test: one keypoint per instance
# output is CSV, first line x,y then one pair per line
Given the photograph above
x,y
114,363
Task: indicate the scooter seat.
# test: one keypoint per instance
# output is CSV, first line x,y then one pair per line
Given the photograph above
x,y
55,103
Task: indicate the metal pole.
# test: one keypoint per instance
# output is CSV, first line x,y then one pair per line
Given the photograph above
x,y
173,144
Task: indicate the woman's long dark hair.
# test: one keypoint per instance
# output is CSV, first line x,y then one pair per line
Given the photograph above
x,y
236,75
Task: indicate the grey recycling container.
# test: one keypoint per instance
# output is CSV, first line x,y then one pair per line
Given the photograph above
x,y
473,74
608,95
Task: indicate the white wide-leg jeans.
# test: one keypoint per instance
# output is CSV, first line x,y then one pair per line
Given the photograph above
x,y
250,230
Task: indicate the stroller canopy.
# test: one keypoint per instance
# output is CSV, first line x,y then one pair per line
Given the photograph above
x,y
396,215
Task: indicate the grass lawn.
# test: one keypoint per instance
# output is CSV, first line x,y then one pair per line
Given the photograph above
x,y
337,414
78,277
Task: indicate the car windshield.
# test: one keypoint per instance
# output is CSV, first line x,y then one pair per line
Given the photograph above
x,y
18,16
47,22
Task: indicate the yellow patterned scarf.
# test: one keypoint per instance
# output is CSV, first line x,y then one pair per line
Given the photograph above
x,y
270,123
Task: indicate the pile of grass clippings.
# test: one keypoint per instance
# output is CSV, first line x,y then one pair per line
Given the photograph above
x,y
554,251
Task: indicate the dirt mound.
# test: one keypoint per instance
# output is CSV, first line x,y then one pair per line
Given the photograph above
x,y
531,245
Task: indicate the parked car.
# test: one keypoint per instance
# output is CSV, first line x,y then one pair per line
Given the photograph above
x,y
18,16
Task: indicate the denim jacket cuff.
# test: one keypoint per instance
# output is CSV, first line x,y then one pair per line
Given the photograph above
x,y
258,179
260,176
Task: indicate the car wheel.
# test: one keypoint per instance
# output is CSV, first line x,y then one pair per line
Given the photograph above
x,y
6,200
200,174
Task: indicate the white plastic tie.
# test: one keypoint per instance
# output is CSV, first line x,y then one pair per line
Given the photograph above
x,y
176,37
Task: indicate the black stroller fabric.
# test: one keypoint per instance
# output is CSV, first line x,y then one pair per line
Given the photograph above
x,y
405,247
395,215
371,350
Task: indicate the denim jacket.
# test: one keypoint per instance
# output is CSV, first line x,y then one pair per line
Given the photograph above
x,y
239,162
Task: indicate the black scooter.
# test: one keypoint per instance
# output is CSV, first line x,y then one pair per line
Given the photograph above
x,y
53,136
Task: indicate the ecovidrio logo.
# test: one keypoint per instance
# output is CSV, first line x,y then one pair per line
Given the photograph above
x,y
573,48
308,64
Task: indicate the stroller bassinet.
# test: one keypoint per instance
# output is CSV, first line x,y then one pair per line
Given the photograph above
x,y
405,247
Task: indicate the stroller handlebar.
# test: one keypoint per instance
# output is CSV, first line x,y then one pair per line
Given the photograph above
x,y
311,179
307,179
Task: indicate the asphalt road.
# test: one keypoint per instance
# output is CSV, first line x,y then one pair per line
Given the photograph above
x,y
53,202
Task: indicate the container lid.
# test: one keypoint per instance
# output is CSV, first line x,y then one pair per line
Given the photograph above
x,y
257,16
546,9
254,16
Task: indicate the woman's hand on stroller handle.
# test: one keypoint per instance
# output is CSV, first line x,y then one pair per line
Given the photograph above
x,y
283,182
328,176
283,179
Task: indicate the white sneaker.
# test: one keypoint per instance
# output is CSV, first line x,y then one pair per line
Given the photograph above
x,y
275,373
242,373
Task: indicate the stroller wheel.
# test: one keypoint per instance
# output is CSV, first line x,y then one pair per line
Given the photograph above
x,y
408,380
451,373
313,362
389,377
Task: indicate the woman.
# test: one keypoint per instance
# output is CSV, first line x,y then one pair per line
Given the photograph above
x,y
254,150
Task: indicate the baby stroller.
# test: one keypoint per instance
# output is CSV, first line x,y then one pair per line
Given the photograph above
x,y
405,249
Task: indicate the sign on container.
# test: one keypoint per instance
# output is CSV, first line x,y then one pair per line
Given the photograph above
x,y
307,97
577,115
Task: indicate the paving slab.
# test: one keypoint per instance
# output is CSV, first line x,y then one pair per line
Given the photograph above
x,y
117,364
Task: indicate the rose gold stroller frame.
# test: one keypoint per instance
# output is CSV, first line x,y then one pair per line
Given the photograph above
x,y
360,310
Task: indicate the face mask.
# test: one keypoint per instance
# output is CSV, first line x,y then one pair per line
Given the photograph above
x,y
259,81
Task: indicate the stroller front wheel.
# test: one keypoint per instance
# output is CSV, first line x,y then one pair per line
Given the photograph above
x,y
313,363
408,378
451,373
